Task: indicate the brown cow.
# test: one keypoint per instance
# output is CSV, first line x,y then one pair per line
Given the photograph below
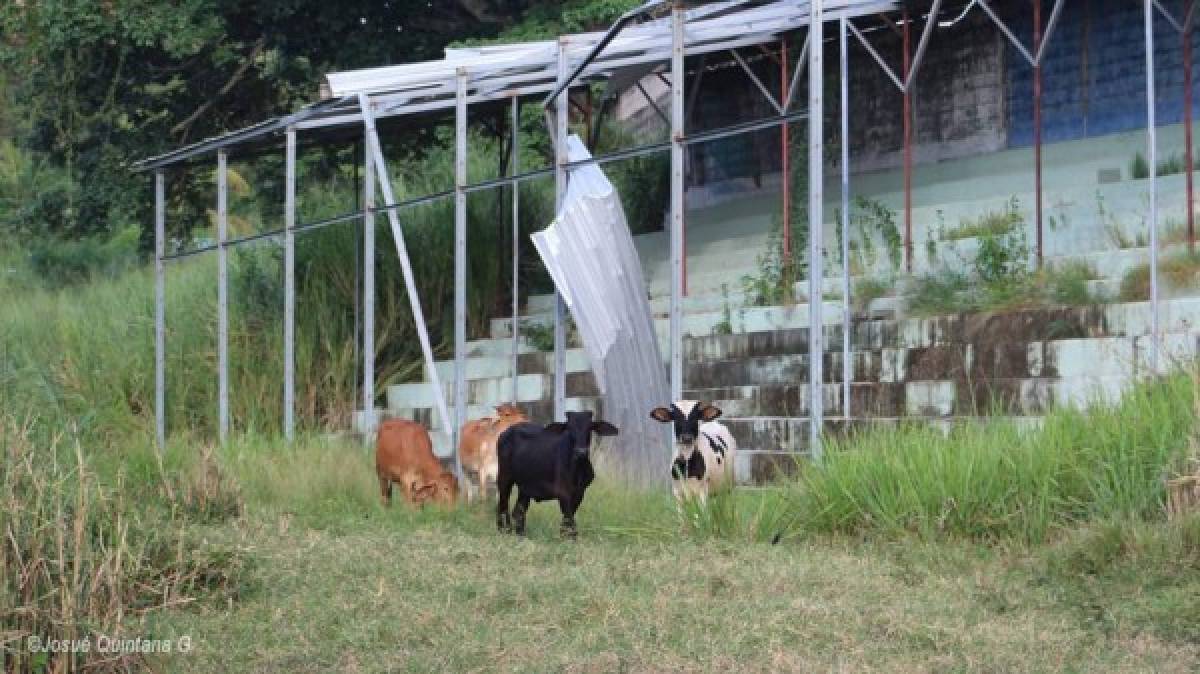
x,y
404,455
477,443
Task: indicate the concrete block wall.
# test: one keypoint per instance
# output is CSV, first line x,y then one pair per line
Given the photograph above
x,y
1094,76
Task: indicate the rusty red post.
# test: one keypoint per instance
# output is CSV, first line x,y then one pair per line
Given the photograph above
x,y
1037,128
907,152
785,164
1187,133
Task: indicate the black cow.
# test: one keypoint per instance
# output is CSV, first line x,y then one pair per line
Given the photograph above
x,y
546,463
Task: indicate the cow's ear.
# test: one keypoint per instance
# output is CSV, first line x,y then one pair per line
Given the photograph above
x,y
710,412
603,428
661,414
557,427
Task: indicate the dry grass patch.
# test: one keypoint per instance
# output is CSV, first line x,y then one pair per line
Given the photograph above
x,y
389,597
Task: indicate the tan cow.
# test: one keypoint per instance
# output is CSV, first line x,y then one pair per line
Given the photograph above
x,y
404,456
477,444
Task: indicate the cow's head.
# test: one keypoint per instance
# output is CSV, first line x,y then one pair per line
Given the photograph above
x,y
510,412
442,489
687,415
580,427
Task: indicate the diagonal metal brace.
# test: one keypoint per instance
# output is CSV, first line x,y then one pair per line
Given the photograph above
x,y
918,57
801,65
1034,60
414,300
1180,26
757,82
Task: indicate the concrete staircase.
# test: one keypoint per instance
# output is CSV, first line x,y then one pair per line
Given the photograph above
x,y
753,361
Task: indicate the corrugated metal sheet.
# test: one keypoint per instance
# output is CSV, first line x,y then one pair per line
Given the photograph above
x,y
589,253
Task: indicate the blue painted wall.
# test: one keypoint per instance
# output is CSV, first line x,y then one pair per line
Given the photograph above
x,y
1093,79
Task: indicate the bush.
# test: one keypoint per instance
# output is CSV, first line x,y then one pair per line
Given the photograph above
x,y
991,480
62,262
939,293
1177,272
996,223
775,282
1139,168
1068,285
868,290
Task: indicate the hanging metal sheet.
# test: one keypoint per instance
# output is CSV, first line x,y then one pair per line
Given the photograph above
x,y
590,255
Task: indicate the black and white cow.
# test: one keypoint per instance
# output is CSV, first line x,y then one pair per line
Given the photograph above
x,y
544,464
705,451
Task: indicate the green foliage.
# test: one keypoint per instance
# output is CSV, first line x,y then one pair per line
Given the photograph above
x,y
1173,163
995,223
62,262
945,291
872,218
538,335
775,282
1000,276
547,20
1068,285
1002,257
779,269
867,290
33,194
725,325
1139,168
949,291
992,480
104,84
644,183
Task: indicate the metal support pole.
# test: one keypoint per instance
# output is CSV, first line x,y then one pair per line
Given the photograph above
x,y
677,199
160,310
907,112
289,290
222,296
1152,151
816,219
368,339
1188,159
847,327
460,264
410,284
1037,128
785,167
562,110
516,241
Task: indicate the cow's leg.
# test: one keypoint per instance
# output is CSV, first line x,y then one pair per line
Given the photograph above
x,y
503,490
472,490
519,513
487,474
568,504
385,490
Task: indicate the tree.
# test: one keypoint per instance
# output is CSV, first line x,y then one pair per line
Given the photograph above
x,y
106,82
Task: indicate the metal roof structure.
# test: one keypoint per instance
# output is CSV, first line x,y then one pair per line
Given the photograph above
x,y
500,72
634,46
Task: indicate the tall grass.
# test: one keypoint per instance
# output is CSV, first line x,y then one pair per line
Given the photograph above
x,y
1180,271
82,558
993,481
84,354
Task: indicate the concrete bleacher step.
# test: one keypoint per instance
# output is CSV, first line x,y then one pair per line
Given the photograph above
x,y
747,319
1064,343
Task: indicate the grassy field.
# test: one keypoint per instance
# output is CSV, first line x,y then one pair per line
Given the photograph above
x,y
342,584
985,549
